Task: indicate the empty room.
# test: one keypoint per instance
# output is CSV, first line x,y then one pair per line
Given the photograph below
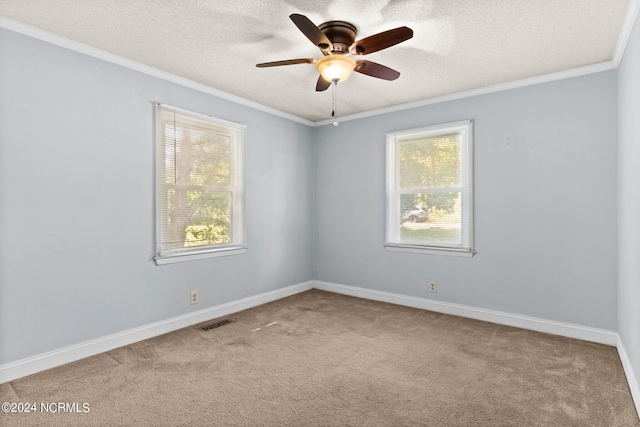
x,y
299,213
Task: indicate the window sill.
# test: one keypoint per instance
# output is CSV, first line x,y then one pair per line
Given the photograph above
x,y
194,256
431,250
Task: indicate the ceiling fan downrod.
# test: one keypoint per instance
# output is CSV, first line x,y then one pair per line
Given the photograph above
x,y
334,113
337,42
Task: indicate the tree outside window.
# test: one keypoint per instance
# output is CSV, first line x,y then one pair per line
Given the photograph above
x,y
200,201
429,190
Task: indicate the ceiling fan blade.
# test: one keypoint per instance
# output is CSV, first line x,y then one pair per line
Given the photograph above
x,y
286,62
312,31
381,41
322,84
374,69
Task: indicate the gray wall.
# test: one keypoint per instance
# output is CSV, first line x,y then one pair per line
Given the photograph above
x,y
629,201
545,204
77,202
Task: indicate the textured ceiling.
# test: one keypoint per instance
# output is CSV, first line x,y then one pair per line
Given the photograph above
x,y
458,45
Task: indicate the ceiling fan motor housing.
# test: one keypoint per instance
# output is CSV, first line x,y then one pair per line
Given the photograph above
x,y
337,41
342,35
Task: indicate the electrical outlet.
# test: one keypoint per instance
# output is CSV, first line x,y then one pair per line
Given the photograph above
x,y
433,286
194,297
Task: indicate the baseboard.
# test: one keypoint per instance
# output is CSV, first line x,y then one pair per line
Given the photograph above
x,y
600,336
541,325
632,379
32,365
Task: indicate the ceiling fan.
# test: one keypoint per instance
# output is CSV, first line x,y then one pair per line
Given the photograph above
x,y
336,40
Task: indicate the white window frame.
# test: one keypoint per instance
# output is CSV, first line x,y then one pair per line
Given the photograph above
x,y
237,134
392,200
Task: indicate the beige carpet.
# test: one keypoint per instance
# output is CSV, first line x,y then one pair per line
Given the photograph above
x,y
323,359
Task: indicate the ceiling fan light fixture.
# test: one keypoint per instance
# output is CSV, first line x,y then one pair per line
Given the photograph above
x,y
335,68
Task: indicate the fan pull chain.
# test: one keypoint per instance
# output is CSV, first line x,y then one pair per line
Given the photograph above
x,y
334,113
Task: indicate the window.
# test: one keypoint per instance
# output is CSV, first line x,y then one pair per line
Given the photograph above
x,y
200,196
429,193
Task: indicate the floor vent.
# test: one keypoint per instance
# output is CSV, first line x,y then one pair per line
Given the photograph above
x,y
216,325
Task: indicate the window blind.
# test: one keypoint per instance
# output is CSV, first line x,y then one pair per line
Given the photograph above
x,y
429,187
200,195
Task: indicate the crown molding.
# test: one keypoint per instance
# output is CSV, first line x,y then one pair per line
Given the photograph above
x,y
630,18
55,39
574,72
625,31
